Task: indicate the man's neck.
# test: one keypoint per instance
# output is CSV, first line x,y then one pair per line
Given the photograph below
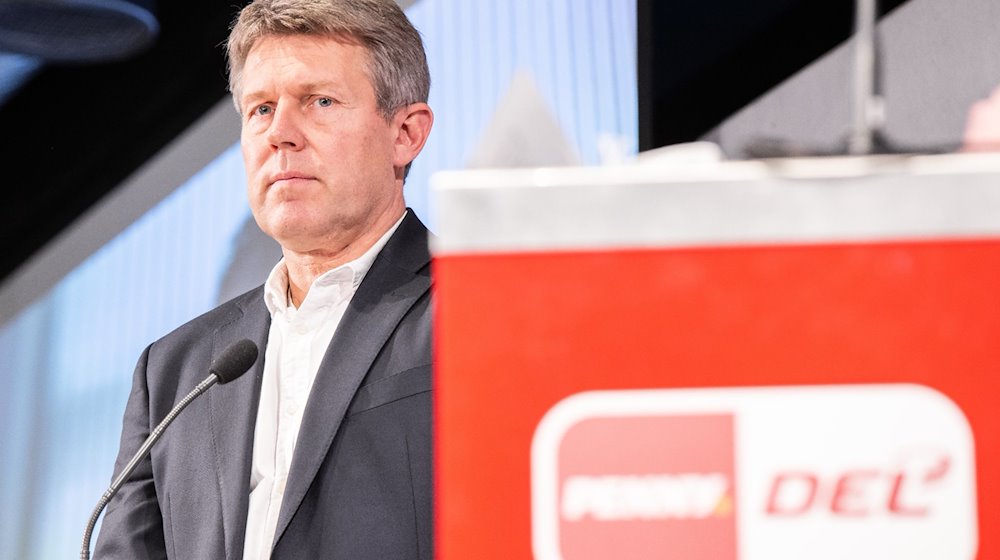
x,y
305,267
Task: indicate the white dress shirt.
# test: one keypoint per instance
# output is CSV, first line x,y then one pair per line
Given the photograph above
x,y
296,344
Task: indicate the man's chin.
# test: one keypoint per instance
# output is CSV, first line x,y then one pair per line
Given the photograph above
x,y
303,242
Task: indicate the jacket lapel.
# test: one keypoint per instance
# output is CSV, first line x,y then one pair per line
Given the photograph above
x,y
389,290
234,416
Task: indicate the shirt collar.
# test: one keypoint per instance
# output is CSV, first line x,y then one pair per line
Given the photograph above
x,y
276,286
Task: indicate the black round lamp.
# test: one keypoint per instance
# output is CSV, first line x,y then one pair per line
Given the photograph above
x,y
77,31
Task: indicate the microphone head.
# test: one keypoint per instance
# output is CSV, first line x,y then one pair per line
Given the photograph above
x,y
234,361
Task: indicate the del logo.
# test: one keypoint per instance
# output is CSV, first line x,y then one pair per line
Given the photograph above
x,y
755,473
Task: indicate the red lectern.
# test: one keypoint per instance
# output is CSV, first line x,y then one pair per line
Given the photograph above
x,y
751,360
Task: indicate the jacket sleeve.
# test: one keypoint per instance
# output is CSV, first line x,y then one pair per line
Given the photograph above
x,y
133,525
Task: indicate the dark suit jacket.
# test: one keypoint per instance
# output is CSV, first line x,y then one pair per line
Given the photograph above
x,y
360,480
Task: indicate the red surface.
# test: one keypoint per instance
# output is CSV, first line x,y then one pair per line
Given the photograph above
x,y
517,333
685,445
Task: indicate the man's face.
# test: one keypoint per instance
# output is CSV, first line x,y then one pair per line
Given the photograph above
x,y
319,157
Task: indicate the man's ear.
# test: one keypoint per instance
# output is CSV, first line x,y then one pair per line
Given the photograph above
x,y
413,125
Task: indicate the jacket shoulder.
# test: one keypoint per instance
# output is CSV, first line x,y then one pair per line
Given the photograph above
x,y
224,314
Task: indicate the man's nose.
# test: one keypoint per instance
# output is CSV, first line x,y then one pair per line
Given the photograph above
x,y
285,132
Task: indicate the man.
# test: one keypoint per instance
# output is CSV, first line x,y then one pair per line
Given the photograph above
x,y
323,449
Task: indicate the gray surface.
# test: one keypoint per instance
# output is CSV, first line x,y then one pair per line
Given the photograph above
x,y
939,56
738,203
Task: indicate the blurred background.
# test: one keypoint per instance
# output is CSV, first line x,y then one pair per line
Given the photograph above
x,y
124,213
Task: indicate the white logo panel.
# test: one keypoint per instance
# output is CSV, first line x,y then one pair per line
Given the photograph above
x,y
853,471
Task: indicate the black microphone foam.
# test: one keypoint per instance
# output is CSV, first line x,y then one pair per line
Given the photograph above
x,y
234,361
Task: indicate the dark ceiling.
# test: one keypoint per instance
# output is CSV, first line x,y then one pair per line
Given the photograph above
x,y
702,60
72,133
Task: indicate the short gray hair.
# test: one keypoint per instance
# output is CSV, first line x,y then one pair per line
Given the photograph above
x,y
397,65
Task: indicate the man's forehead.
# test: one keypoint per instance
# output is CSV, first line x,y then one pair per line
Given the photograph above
x,y
292,52
306,60
319,53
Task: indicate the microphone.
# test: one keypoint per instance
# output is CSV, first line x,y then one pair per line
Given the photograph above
x,y
233,362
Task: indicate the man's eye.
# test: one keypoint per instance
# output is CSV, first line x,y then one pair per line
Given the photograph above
x,y
262,110
324,102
